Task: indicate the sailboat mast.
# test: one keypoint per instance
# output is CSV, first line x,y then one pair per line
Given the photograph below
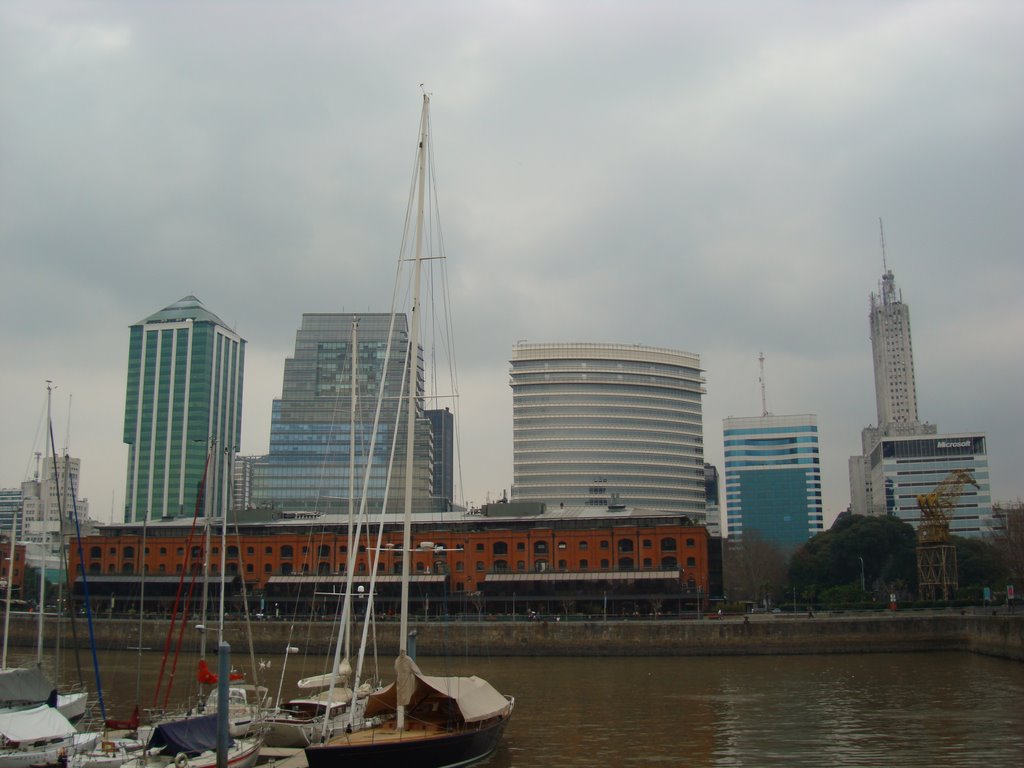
x,y
44,498
206,550
352,466
410,437
223,546
10,584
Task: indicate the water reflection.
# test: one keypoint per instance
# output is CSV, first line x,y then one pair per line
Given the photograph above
x,y
871,710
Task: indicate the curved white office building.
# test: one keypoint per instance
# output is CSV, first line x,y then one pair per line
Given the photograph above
x,y
606,425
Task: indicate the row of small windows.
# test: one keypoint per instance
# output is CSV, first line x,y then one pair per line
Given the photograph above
x,y
668,544
500,566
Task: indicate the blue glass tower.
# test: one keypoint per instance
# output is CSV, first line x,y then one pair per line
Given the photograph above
x,y
773,478
308,466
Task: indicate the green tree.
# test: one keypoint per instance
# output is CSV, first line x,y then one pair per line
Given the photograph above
x,y
1009,539
979,563
754,568
887,546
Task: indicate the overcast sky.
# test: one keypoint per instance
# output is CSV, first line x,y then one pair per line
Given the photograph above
x,y
707,177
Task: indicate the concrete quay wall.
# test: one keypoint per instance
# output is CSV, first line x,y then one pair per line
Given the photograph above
x,y
1000,635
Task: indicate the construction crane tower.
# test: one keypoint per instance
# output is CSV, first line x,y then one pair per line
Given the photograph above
x,y
936,556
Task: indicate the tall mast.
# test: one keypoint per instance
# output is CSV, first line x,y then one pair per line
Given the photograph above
x,y
10,584
43,497
403,641
206,549
352,466
225,499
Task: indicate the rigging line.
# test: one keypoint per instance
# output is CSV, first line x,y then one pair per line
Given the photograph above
x,y
360,658
245,603
32,466
63,558
181,581
346,607
85,598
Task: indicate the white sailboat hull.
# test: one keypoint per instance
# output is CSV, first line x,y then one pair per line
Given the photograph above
x,y
36,754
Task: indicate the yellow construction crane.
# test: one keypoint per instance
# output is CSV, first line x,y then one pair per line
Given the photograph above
x,y
937,507
936,556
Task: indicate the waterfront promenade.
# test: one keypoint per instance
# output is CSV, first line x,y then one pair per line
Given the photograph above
x,y
989,632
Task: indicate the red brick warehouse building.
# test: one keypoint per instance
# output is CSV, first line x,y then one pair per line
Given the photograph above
x,y
500,559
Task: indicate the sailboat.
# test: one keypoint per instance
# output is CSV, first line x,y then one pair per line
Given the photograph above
x,y
14,682
33,729
328,706
421,720
191,740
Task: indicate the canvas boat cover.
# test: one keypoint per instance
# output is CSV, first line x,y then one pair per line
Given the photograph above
x,y
343,675
475,698
22,686
191,736
42,722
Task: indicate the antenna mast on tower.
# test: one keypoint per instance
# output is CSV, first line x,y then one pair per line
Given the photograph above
x,y
764,397
881,230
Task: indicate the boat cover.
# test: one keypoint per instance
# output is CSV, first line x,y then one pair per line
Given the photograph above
x,y
343,675
20,686
42,722
475,698
191,736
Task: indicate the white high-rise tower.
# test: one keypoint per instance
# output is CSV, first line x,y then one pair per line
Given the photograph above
x,y
895,391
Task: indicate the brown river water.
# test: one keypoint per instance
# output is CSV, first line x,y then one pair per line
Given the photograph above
x,y
923,709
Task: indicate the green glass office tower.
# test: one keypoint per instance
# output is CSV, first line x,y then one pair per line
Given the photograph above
x,y
182,412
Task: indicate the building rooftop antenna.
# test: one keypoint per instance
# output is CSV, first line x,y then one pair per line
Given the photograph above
x,y
881,231
764,397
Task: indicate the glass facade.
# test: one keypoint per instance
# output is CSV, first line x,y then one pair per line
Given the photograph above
x,y
904,467
10,504
442,425
608,424
773,478
307,468
183,406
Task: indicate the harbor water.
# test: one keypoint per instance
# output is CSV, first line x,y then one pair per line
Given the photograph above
x,y
919,709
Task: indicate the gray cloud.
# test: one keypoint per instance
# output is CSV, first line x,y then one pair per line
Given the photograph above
x,y
676,174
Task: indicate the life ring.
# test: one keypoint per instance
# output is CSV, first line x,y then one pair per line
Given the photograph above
x,y
108,747
180,760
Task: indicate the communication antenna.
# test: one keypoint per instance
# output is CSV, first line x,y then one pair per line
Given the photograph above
x,y
764,397
881,231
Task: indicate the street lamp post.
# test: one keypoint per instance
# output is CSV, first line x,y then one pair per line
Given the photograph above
x,y
861,574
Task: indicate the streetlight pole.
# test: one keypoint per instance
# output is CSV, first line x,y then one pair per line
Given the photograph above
x,y
862,574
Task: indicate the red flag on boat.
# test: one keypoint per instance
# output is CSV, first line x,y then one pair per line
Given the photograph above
x,y
206,677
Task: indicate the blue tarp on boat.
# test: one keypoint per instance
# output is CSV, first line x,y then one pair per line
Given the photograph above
x,y
191,736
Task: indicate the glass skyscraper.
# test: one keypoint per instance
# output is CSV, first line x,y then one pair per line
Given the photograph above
x,y
606,425
442,423
307,468
904,466
183,410
773,478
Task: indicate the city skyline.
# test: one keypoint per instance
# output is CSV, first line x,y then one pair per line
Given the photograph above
x,y
677,176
